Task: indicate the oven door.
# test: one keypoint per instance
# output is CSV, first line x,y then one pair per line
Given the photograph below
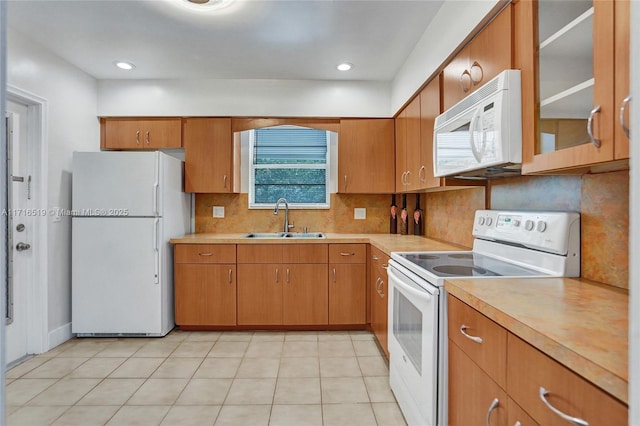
x,y
414,330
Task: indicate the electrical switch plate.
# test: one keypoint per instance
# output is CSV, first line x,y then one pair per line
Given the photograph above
x,y
359,213
218,211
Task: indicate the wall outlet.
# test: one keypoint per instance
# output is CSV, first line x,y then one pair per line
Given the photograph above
x,y
218,211
359,213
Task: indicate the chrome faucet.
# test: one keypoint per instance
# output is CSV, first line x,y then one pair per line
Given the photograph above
x,y
286,213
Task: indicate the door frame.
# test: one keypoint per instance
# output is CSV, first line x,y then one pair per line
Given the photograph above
x,y
37,294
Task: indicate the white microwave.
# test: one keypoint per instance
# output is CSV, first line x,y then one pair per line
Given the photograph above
x,y
482,134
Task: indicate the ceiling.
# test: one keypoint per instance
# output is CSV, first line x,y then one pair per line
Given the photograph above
x,y
251,39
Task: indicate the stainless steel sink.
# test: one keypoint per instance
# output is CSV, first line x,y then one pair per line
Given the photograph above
x,y
312,235
291,235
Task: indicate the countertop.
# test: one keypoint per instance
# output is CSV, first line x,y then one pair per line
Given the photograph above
x,y
581,324
385,242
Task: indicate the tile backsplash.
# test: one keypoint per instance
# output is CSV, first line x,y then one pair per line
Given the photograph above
x,y
339,218
602,199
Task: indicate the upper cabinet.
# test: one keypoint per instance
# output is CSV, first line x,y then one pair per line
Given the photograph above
x,y
574,58
488,54
140,133
212,163
366,156
414,140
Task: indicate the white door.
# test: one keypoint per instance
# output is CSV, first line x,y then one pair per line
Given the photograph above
x,y
20,221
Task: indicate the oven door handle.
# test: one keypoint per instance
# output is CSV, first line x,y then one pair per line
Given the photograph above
x,y
397,281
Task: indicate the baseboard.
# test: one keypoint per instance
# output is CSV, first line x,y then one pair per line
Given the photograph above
x,y
59,335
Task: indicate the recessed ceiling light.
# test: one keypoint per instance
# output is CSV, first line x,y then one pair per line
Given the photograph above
x,y
206,5
128,66
345,66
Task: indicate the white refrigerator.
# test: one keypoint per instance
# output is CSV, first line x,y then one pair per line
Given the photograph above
x,y
126,206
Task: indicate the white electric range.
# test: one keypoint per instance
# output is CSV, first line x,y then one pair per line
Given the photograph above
x,y
507,244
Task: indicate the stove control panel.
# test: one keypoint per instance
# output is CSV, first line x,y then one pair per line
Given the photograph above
x,y
553,232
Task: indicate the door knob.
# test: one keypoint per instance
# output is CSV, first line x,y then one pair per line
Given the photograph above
x,y
23,246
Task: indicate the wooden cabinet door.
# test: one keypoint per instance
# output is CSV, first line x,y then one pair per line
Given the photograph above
x,y
401,151
579,95
124,133
429,110
209,156
260,294
472,393
490,51
488,54
621,35
141,133
366,156
378,293
162,133
305,296
347,293
456,82
528,370
205,294
414,146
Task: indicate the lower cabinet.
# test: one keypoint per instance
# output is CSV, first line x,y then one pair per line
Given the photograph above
x,y
347,284
378,296
205,284
497,378
289,288
205,294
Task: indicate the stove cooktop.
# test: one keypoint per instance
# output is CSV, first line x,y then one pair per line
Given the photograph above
x,y
464,264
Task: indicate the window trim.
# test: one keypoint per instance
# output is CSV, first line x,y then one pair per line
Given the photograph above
x,y
296,206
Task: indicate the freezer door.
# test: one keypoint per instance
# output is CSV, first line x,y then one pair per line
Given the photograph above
x,y
116,184
116,278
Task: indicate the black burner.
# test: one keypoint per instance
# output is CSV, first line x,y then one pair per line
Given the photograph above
x,y
427,257
461,255
462,271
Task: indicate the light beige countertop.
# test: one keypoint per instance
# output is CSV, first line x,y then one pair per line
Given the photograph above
x,y
385,242
581,324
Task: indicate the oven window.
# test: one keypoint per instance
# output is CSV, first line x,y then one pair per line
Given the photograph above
x,y
407,328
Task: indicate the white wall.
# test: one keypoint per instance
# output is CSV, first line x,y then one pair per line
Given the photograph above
x,y
72,126
262,98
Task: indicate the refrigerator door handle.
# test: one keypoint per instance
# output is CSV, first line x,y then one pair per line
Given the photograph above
x,y
156,186
156,247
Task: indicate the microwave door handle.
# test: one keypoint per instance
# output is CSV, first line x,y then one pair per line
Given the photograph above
x,y
472,128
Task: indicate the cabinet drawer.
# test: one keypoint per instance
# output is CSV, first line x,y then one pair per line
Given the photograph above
x,y
305,253
528,370
205,253
347,253
259,253
486,341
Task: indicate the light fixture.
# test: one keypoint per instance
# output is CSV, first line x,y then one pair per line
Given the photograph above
x,y
206,5
345,66
127,66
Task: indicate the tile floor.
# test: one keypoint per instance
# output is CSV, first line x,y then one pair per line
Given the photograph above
x,y
206,378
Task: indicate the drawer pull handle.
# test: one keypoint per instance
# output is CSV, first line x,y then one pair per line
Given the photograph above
x,y
493,406
374,257
334,275
596,142
623,109
229,276
517,423
385,266
468,336
276,275
288,276
570,419
205,254
344,253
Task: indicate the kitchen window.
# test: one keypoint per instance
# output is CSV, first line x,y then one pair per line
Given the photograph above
x,y
290,162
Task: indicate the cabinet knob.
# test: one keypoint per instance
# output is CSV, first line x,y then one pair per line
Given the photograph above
x,y
465,81
479,73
